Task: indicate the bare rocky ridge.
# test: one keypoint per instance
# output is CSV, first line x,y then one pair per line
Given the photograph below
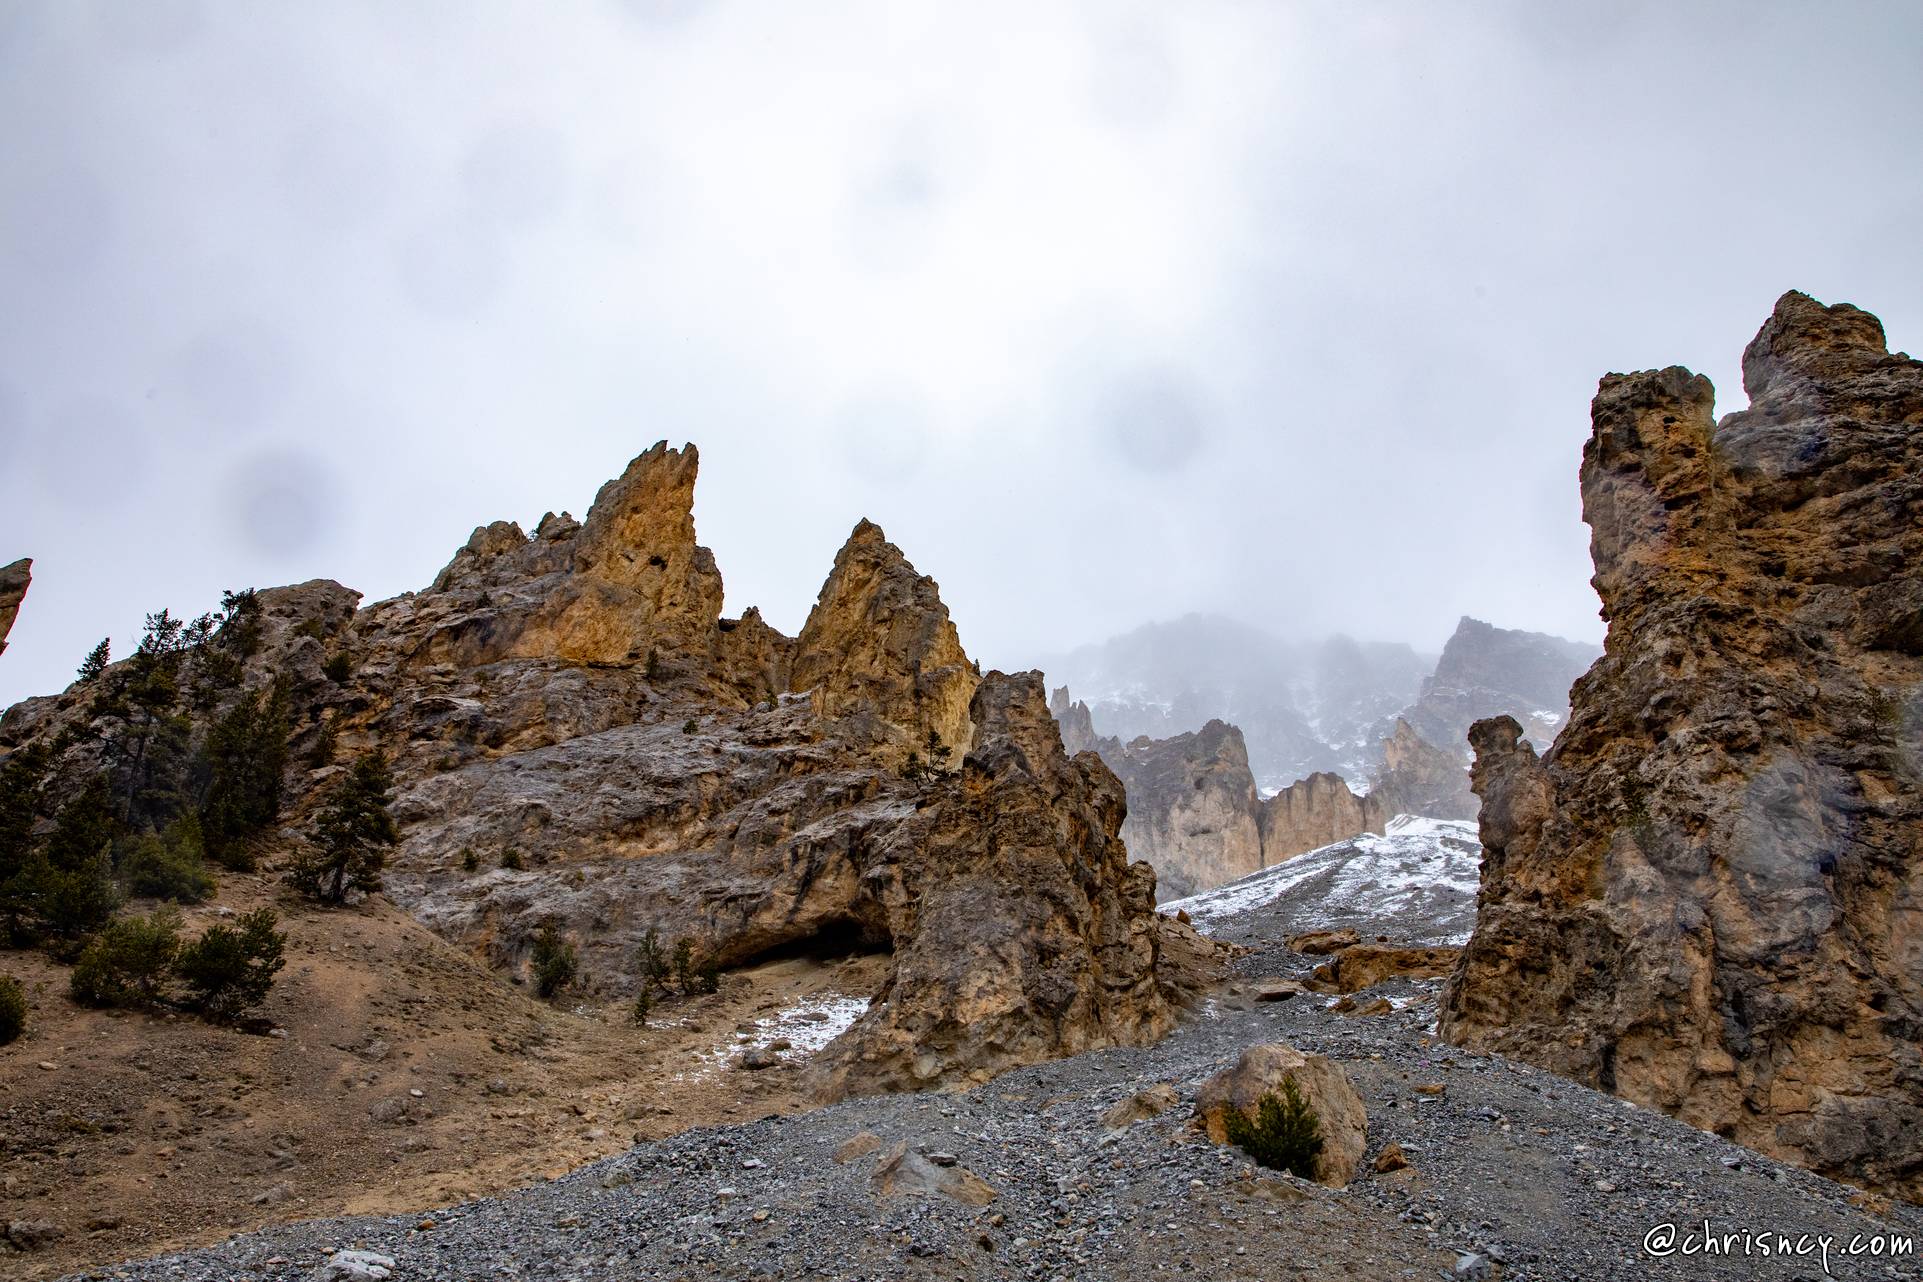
x,y
1192,808
14,579
1313,812
1703,896
579,739
1487,671
1194,812
1419,778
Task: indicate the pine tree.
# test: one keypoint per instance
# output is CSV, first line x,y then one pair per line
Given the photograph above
x,y
96,661
351,835
1285,1135
230,968
553,961
22,776
246,754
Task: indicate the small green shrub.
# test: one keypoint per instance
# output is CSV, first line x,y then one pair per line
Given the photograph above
x,y
690,726
511,859
13,1009
168,865
683,963
127,963
643,1003
231,968
338,667
553,961
469,860
1285,1135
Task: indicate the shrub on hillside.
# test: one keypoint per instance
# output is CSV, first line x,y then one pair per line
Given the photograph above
x,y
1285,1135
230,968
168,865
553,961
13,1009
127,963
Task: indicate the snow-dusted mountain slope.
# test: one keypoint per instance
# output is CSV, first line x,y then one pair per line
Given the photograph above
x,y
1416,883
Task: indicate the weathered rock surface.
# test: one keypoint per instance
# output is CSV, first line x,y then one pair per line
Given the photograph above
x,y
1314,812
1192,807
1324,1086
1486,671
578,739
1365,965
14,579
879,644
1704,896
1418,778
1021,930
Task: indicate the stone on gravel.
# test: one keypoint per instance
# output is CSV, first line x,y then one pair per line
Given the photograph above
x,y
1366,965
1391,1158
1320,943
357,1266
1140,1106
860,1145
906,1173
1324,1085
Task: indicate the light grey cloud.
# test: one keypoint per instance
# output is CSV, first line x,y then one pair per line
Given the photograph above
x,y
1106,312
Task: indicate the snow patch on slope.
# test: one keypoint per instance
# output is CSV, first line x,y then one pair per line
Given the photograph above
x,y
1417,880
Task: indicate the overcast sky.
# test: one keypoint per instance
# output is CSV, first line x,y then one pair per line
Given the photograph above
x,y
1106,312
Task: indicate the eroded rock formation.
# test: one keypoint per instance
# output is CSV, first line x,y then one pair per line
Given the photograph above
x,y
1022,930
14,579
1486,671
1418,778
879,645
1705,895
578,738
1314,812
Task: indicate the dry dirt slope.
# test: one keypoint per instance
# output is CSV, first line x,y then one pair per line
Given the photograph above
x,y
409,1077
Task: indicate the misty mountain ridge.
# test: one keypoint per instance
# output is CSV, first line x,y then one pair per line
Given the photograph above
x,y
1309,705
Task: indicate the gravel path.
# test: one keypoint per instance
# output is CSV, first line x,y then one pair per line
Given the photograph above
x,y
1536,1177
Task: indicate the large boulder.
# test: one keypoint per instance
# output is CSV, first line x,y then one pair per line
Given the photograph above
x,y
1703,896
1261,1070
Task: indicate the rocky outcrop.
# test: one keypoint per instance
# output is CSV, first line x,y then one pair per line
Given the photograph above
x,y
579,740
1703,897
1486,671
1314,812
1192,808
1418,778
1021,930
14,579
879,645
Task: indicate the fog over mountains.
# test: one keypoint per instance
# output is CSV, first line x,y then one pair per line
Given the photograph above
x,y
1312,705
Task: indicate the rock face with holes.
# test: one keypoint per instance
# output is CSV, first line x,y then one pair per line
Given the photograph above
x,y
14,579
1705,896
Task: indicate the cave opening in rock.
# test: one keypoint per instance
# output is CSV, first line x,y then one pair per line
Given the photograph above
x,y
835,942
